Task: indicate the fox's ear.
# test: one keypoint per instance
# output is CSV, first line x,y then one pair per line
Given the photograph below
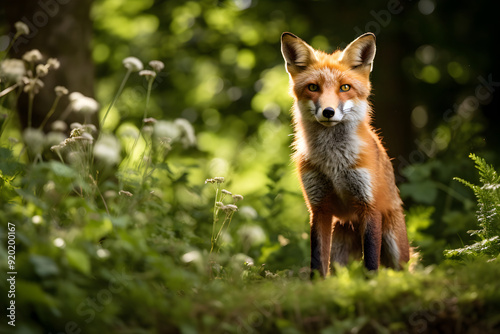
x,y
360,53
297,53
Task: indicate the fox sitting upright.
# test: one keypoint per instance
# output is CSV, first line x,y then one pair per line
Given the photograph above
x,y
346,176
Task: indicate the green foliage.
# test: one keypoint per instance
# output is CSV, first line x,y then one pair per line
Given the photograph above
x,y
116,237
488,200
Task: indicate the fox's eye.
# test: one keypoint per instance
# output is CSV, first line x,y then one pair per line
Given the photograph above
x,y
345,88
313,87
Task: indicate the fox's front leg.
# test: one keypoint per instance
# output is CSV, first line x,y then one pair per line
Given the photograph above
x,y
317,189
321,241
372,240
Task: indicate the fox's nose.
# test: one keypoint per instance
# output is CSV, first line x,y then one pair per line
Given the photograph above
x,y
328,112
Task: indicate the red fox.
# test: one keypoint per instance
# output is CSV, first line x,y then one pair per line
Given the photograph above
x,y
346,175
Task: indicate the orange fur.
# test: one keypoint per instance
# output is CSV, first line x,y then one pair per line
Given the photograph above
x,y
346,176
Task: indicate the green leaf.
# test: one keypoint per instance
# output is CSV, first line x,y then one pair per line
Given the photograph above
x,y
78,260
44,266
62,170
8,165
96,229
423,192
32,292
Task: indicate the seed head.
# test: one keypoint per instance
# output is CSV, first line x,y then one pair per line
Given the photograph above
x,y
21,28
157,65
133,64
59,126
209,181
57,148
231,207
42,70
34,139
126,193
12,70
83,104
33,85
32,56
149,121
75,125
107,149
53,63
219,179
148,74
237,198
60,90
227,192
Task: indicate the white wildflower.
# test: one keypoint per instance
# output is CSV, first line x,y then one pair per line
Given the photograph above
x,y
148,74
59,125
61,90
227,192
103,253
90,128
53,138
34,139
107,149
75,125
33,85
21,28
126,193
188,138
53,63
76,132
166,129
58,148
157,65
83,104
237,198
248,212
75,96
42,70
59,242
32,56
191,256
133,64
12,70
149,120
231,207
219,179
252,234
209,181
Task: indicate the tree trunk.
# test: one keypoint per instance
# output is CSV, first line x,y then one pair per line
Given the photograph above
x,y
60,29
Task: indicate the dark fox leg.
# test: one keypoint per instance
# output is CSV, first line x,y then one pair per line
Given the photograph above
x,y
372,241
321,238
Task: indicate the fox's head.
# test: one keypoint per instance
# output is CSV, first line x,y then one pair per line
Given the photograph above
x,y
330,88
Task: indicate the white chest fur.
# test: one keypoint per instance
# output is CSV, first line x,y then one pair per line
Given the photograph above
x,y
334,152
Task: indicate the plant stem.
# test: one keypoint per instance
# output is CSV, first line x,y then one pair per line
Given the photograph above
x,y
148,94
8,89
51,111
216,211
122,85
30,107
10,46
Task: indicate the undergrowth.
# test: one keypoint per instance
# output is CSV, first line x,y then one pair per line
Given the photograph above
x,y
112,236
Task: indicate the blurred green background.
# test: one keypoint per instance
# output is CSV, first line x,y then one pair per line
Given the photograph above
x,y
436,83
435,95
